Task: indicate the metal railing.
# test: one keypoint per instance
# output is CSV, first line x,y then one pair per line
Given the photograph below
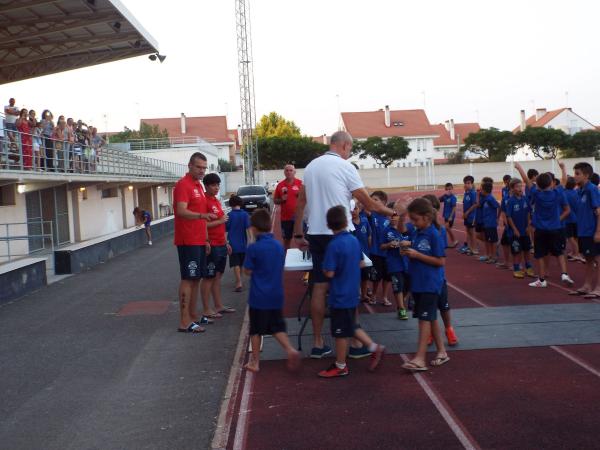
x,y
33,152
167,142
38,234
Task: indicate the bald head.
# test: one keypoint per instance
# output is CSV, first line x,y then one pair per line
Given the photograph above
x,y
289,171
341,143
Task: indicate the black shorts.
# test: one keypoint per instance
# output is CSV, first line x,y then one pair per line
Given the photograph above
x,y
266,321
236,259
343,322
520,244
192,261
505,239
317,244
443,304
587,247
469,223
216,261
449,222
287,229
365,273
379,270
426,305
491,235
479,228
548,242
571,230
398,284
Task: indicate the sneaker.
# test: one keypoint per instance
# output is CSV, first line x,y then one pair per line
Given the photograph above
x,y
451,335
376,357
530,272
333,371
491,261
539,284
469,252
318,353
463,249
566,279
402,314
483,258
358,352
149,242
519,274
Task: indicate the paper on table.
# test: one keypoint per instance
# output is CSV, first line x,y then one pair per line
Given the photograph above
x,y
294,261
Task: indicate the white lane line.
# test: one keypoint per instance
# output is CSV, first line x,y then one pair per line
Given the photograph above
x,y
451,419
576,360
469,296
239,441
221,436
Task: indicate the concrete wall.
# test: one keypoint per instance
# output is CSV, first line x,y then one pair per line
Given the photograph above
x,y
14,214
25,277
99,216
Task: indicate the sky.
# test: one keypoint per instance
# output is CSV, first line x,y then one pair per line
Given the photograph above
x,y
469,60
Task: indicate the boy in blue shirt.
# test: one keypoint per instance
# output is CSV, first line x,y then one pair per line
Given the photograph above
x,y
518,216
505,238
479,225
469,206
145,218
588,229
362,231
489,206
264,264
379,270
549,208
237,234
449,212
342,263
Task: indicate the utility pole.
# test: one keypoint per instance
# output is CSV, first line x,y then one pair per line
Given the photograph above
x,y
248,138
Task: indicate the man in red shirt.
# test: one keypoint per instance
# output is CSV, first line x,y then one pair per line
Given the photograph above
x,y
286,194
190,238
219,249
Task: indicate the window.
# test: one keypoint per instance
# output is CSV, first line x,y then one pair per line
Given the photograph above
x,y
8,195
110,193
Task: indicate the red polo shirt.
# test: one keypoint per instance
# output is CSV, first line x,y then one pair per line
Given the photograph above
x,y
288,208
216,235
190,231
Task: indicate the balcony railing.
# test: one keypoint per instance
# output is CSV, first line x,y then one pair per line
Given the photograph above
x,y
167,142
32,153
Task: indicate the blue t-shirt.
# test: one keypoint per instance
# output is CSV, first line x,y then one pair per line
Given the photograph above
x,y
449,201
469,199
395,261
362,232
529,191
378,225
479,210
343,256
147,217
589,200
237,224
518,209
425,277
572,196
490,211
265,258
548,206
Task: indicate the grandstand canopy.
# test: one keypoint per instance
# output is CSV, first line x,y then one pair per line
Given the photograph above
x,y
41,37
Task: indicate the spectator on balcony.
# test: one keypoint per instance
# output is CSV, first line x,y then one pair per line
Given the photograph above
x,y
32,119
22,125
97,144
37,145
47,131
69,151
60,136
11,113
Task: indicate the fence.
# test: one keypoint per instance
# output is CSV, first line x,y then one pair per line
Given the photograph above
x,y
165,142
20,239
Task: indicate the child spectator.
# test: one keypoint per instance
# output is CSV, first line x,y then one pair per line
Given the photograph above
x,y
489,206
588,229
572,196
469,207
396,264
264,264
237,228
449,212
362,231
427,257
342,263
143,217
219,249
505,238
379,273
548,204
518,216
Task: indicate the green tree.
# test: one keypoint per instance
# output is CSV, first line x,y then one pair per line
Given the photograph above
x,y
383,151
277,151
226,166
273,124
146,131
490,144
545,143
585,143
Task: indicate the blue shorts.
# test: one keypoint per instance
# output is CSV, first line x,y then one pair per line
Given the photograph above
x,y
317,244
469,223
443,304
192,261
216,261
426,306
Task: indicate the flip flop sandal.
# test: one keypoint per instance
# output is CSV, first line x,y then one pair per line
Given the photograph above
x,y
226,310
204,321
412,367
372,301
214,316
439,361
590,296
386,302
193,328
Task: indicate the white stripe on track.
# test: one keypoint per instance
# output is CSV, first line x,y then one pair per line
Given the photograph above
x,y
580,362
239,441
469,296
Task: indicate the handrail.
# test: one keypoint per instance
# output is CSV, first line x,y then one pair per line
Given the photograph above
x,y
29,236
31,152
166,142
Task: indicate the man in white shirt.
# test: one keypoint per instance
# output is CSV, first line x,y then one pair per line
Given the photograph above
x,y
11,114
329,181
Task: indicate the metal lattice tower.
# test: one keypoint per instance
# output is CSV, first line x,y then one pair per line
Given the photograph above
x,y
246,78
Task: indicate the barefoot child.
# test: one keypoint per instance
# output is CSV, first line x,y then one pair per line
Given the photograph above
x,y
427,257
342,263
264,264
237,235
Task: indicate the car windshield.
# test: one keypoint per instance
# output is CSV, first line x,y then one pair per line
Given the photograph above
x,y
251,190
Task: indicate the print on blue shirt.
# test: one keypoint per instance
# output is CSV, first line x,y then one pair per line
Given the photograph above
x,y
469,199
490,211
518,210
362,231
395,261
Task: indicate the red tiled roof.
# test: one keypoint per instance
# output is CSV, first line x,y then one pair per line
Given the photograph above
x,y
211,128
413,122
532,122
462,129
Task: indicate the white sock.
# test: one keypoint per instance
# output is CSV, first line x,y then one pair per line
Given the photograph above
x,y
372,347
340,366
